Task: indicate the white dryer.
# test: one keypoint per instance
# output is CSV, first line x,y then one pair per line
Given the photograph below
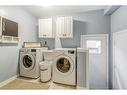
x,y
64,66
29,62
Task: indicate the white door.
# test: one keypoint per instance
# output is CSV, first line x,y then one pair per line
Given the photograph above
x,y
98,60
120,60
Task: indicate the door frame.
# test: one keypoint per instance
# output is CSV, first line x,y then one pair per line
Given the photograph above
x,y
107,48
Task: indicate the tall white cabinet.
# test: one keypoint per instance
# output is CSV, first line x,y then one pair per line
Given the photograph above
x,y
64,27
46,28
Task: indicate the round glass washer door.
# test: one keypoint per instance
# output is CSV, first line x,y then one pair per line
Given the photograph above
x,y
64,65
28,61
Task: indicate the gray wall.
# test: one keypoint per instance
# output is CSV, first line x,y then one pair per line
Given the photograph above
x,y
118,19
9,52
118,22
93,22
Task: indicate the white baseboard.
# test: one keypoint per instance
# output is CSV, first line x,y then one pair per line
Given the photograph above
x,y
8,80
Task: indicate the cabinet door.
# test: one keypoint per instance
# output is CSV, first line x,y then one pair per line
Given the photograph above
x,y
64,27
60,27
68,26
45,28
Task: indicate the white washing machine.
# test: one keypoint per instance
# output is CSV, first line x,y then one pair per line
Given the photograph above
x,y
29,62
64,66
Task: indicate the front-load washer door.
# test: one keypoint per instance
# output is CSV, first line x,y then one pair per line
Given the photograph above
x,y
64,65
28,62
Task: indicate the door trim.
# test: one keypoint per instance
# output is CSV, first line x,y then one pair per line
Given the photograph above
x,y
107,36
113,66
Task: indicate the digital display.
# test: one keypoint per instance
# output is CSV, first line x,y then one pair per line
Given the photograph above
x,y
70,51
33,50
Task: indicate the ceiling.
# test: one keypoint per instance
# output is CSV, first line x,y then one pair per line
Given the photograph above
x,y
41,11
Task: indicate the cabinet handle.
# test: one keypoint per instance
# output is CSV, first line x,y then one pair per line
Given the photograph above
x,y
64,34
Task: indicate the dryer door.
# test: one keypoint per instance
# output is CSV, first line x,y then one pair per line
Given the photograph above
x,y
28,61
64,65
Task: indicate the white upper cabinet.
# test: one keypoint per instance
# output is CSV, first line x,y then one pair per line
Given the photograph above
x,y
64,27
45,28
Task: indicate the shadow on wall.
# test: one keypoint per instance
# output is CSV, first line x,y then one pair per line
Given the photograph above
x,y
13,47
79,28
50,42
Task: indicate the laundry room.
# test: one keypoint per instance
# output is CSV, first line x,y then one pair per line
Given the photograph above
x,y
74,47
